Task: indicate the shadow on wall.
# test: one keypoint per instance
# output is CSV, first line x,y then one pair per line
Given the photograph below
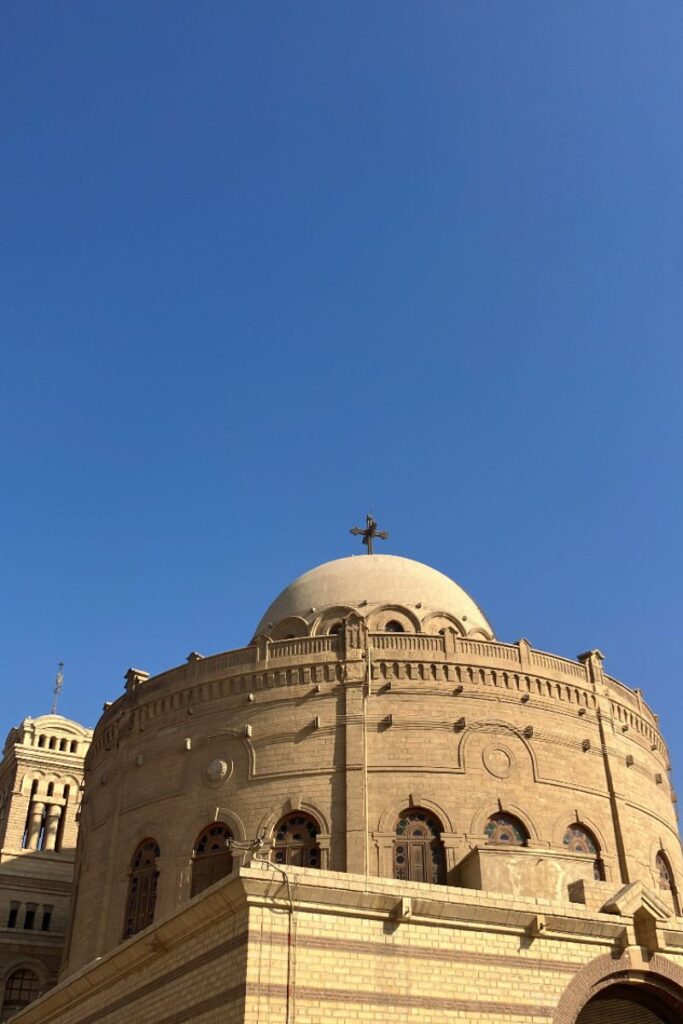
x,y
34,909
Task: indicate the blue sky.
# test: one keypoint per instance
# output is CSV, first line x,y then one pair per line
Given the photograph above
x,y
262,265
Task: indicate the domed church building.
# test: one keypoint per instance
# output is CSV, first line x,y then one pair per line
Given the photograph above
x,y
375,811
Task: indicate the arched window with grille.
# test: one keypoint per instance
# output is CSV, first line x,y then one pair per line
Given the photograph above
x,y
142,888
665,878
506,830
296,840
579,839
21,988
211,857
418,850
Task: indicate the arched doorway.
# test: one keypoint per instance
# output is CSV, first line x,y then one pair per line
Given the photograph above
x,y
627,1004
418,850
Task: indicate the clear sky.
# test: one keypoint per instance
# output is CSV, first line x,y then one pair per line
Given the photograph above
x,y
263,264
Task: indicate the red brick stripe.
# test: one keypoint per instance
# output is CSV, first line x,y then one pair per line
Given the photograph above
x,y
457,956
362,998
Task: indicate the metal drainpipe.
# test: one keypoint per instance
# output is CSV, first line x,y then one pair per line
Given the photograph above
x,y
366,697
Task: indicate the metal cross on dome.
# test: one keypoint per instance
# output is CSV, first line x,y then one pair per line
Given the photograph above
x,y
370,532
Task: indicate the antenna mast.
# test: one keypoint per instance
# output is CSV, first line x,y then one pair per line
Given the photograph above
x,y
59,683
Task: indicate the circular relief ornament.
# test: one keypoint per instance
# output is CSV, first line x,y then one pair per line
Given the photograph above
x,y
217,771
498,761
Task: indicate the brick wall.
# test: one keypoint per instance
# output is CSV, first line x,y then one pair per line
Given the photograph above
x,y
334,947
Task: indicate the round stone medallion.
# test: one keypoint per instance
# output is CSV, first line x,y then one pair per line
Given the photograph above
x,y
218,770
498,761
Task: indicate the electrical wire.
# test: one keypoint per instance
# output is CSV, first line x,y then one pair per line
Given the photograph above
x,y
253,846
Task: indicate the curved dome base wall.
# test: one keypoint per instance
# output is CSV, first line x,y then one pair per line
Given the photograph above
x,y
354,728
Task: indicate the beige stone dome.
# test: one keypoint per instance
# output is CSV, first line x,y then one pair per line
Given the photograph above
x,y
370,584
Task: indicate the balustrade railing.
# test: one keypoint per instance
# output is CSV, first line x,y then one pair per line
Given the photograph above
x,y
302,647
552,663
408,642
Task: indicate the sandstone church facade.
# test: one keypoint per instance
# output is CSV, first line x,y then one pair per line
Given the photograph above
x,y
375,810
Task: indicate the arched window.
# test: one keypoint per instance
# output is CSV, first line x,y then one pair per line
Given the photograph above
x,y
506,830
296,841
418,850
394,626
211,859
142,888
335,629
666,880
578,839
665,876
21,988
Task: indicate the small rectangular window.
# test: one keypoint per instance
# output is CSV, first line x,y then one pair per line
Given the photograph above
x,y
47,918
13,915
30,916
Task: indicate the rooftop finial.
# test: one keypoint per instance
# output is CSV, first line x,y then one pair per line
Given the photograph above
x,y
370,532
59,683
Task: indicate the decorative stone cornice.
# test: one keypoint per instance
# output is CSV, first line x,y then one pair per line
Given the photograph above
x,y
513,668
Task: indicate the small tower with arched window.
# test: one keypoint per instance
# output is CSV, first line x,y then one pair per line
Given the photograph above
x,y
41,776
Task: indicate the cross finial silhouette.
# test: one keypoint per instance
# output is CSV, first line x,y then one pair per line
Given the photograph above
x,y
370,532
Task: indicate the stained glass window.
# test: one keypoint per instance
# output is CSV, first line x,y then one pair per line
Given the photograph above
x,y
579,840
506,830
212,859
296,841
418,850
142,888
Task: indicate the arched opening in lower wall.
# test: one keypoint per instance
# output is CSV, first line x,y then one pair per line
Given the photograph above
x,y
627,1004
630,986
